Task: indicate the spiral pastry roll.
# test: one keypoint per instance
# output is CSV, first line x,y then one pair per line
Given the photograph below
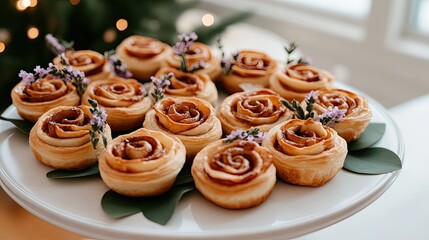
x,y
33,100
190,119
189,85
306,152
244,110
142,163
143,56
197,53
297,80
252,67
125,101
60,138
234,175
358,113
91,63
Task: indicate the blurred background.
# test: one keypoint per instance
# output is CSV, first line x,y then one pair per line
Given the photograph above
x,y
380,47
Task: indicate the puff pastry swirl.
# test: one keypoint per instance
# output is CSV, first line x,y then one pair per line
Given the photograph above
x,y
91,63
306,152
33,100
190,119
234,175
143,55
125,101
297,80
142,163
189,85
252,67
195,54
60,138
260,108
358,113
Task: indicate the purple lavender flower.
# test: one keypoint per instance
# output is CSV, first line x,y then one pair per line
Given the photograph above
x,y
118,66
27,78
160,84
260,137
54,44
198,65
311,96
99,118
331,116
248,135
186,41
40,72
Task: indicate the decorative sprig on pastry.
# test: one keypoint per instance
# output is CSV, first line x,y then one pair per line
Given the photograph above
x,y
160,84
57,46
119,68
98,122
227,63
290,49
331,116
186,41
67,74
248,135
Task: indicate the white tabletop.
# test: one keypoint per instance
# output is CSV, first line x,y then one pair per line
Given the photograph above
x,y
402,212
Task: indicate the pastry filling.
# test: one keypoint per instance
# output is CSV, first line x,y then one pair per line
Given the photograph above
x,y
238,163
338,99
144,148
67,123
89,62
184,84
119,93
144,47
44,90
304,73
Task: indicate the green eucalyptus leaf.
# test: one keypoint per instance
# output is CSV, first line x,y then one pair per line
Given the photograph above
x,y
118,206
372,134
61,174
159,209
23,125
372,161
184,176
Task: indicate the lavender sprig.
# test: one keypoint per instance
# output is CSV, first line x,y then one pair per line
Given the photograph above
x,y
57,46
67,74
297,109
227,63
331,116
119,68
98,122
248,135
186,41
160,84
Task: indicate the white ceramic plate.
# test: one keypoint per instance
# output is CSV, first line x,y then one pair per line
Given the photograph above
x,y
290,211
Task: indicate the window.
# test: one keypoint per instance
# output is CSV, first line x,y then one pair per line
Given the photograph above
x,y
419,20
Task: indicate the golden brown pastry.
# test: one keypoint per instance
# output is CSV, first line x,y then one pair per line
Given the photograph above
x,y
143,56
306,152
234,175
197,52
93,64
60,138
125,101
252,67
142,163
188,85
34,99
358,113
190,119
259,108
297,80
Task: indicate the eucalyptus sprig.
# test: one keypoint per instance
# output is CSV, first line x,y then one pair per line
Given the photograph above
x,y
57,46
297,109
249,135
160,84
227,63
186,41
119,68
98,122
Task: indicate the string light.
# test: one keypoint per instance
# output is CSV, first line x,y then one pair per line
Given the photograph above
x,y
33,3
207,20
20,6
121,24
109,35
32,33
74,2
2,47
26,3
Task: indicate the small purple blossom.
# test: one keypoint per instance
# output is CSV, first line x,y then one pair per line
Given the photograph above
x,y
248,135
228,63
40,72
186,41
311,96
27,78
98,122
160,84
331,116
99,118
119,68
54,44
198,66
